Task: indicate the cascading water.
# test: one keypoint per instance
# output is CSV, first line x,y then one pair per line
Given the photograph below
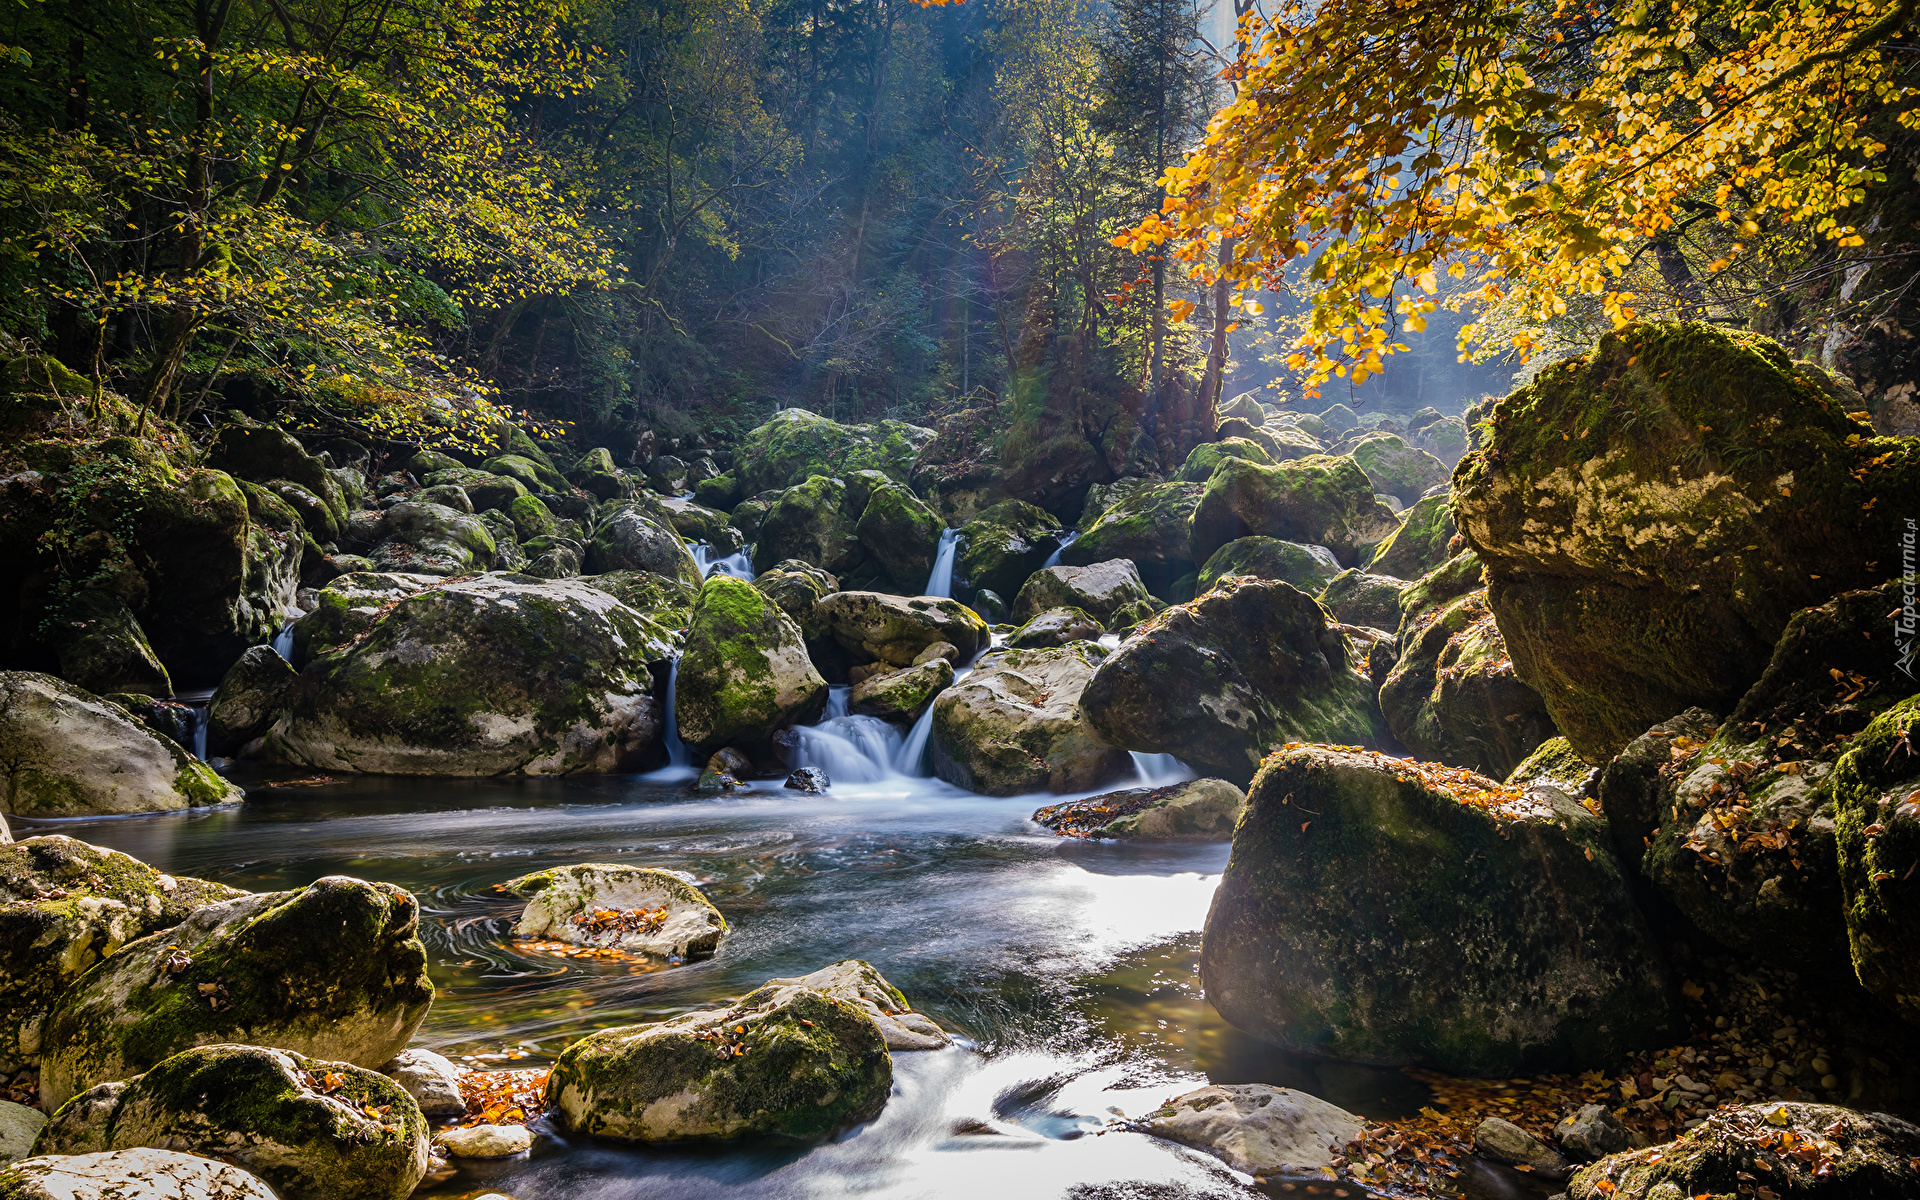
x,y
679,758
940,579
1158,770
738,564
1053,560
283,642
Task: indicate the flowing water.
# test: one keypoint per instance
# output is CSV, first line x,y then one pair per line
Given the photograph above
x,y
738,564
940,579
1068,968
1053,560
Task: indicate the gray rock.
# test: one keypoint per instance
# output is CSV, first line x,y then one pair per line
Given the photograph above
x,y
1270,1132
1593,1132
431,1079
1015,725
1056,627
142,1174
858,983
811,780
671,918
249,700
1110,592
631,537
19,1125
487,1141
1503,1141
432,539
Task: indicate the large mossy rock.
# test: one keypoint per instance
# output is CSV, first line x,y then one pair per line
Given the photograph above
x,y
1005,544
1207,455
349,605
103,649
1149,525
1653,513
1203,810
1225,680
860,983
809,521
1421,543
657,912
1056,627
1110,592
1875,792
900,533
1442,436
1015,725
315,1130
64,906
334,970
796,444
1795,1151
797,587
596,473
483,488
68,753
503,674
632,537
1389,912
424,538
784,1061
142,1174
666,602
744,674
1318,500
1309,568
264,454
1358,598
876,627
1397,469
901,695
249,699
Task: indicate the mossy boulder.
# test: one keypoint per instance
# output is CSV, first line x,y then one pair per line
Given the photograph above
x,y
71,754
423,538
1420,543
1056,627
531,517
334,970
1388,912
1110,592
536,476
1454,697
744,674
1151,526
1339,419
1397,469
695,522
264,454
797,587
1318,500
249,699
900,533
901,695
502,674
315,1130
809,522
1553,761
483,488
142,1174
1224,680
64,906
1359,598
103,649
1796,1151
1015,725
876,627
1653,513
596,473
796,444
1199,810
1441,436
658,913
860,983
349,605
1207,455
1876,803
1309,568
722,491
1287,443
784,1061
666,602
1004,544
633,537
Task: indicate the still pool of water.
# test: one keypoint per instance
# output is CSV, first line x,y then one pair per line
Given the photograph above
x,y
1069,968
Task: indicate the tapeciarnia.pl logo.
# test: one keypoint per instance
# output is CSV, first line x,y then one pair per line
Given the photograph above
x,y
1907,620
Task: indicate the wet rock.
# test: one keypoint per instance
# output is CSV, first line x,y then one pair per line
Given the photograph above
x,y
811,780
249,699
1015,725
796,444
656,912
1004,544
1150,526
334,970
895,629
989,605
1198,810
1270,1132
631,538
1421,542
1652,515
900,533
431,1079
1833,1152
1226,679
860,984
1207,455
1358,598
72,754
1503,1141
487,1141
745,673
1056,627
784,1061
941,650
1309,568
668,603
724,771
1506,942
796,587
901,695
1109,592
103,649
694,522
19,1125
1318,501
64,906
141,1174
314,1129
1593,1132
503,674
809,522
1397,469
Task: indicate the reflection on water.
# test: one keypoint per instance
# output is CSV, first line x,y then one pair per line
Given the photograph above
x,y
1069,967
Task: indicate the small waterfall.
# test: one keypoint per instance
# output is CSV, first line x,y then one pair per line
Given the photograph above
x,y
679,758
1053,560
940,580
913,751
197,717
848,749
737,564
837,695
283,642
1158,770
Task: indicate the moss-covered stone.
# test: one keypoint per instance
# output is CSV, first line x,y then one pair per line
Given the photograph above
x,y
900,533
315,1130
1443,437
64,906
633,537
796,444
103,649
1397,469
1056,627
334,970
1358,598
1876,805
895,629
1318,500
666,602
1797,1151
696,523
1420,544
596,473
423,538
785,1061
797,587
1653,513
901,695
1110,592
531,517
537,477
1555,761
809,522
1222,681
744,674
1150,525
68,753
249,699
483,488
1015,725
1207,455
1370,912
263,453
1004,544
348,607
494,675
1199,810
722,491
129,1175
1309,568
560,899
859,983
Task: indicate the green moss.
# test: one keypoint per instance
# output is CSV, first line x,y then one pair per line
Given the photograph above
x,y
1271,558
1317,500
1553,759
1420,543
1877,831
1208,455
745,672
1151,526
